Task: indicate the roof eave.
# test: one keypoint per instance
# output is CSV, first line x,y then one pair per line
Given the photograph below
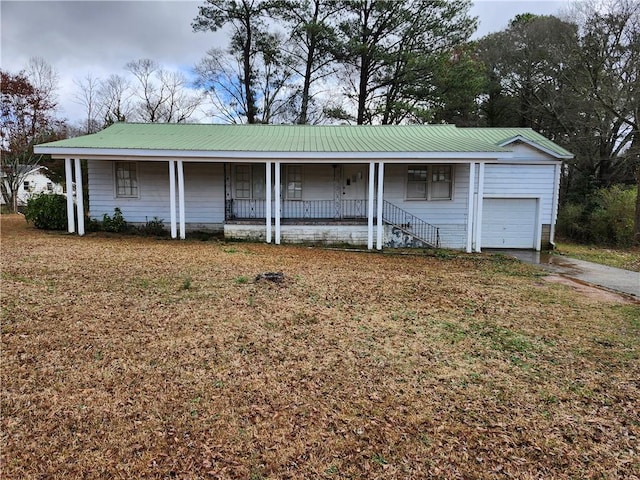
x,y
537,146
150,154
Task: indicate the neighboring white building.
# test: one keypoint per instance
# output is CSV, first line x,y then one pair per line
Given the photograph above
x,y
462,188
34,183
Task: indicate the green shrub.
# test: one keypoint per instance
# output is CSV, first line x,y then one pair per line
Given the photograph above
x,y
604,218
154,228
47,211
571,223
116,223
612,221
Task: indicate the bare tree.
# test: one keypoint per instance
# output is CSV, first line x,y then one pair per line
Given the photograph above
x,y
163,95
88,96
114,96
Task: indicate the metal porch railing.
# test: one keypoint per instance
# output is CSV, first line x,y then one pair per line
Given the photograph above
x,y
410,224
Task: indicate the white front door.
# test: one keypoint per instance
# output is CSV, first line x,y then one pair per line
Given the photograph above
x,y
354,191
354,182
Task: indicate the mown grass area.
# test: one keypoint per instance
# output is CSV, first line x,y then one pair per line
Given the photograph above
x,y
140,358
627,258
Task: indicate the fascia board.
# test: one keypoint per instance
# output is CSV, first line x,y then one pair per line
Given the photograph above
x,y
537,146
328,157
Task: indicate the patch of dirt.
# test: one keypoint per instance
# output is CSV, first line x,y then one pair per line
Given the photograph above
x,y
590,291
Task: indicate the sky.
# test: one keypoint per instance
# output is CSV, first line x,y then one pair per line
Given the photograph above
x,y
99,37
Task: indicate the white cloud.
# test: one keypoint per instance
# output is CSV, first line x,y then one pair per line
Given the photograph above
x,y
100,37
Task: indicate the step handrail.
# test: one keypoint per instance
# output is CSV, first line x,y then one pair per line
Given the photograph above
x,y
410,224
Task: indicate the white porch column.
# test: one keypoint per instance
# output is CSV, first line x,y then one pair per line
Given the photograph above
x,y
478,220
470,224
267,207
172,198
380,224
372,193
71,221
181,199
554,205
79,197
278,194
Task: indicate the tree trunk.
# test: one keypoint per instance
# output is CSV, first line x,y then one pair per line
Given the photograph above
x,y
636,223
248,92
304,107
362,88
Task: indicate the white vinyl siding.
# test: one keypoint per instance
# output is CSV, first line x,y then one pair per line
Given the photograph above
x,y
204,192
450,215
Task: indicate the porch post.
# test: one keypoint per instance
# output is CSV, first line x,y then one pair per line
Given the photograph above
x,y
380,202
472,186
278,201
71,221
372,173
181,199
479,206
554,205
172,198
79,197
267,207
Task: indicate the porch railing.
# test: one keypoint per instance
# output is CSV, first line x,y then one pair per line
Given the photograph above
x,y
245,209
410,224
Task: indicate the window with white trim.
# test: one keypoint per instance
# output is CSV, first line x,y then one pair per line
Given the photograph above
x,y
294,182
126,174
250,181
429,182
440,182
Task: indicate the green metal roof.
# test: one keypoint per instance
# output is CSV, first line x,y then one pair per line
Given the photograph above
x,y
501,135
299,138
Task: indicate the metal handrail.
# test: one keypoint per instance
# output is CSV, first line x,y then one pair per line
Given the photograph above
x,y
410,224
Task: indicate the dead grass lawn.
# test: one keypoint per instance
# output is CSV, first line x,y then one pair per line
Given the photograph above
x,y
126,357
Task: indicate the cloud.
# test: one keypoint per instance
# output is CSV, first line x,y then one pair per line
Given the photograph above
x,y
78,38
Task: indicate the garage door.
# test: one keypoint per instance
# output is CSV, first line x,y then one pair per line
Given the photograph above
x,y
509,223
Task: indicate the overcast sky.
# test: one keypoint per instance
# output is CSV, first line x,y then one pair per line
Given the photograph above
x,y
100,37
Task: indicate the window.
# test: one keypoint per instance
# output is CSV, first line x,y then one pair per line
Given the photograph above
x,y
49,187
417,182
294,182
429,182
243,181
26,185
250,182
440,182
126,179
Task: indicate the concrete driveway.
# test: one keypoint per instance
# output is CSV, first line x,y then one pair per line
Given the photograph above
x,y
610,278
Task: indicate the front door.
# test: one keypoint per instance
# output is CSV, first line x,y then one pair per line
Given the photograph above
x,y
354,190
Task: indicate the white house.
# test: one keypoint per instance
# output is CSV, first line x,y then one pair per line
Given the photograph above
x,y
461,188
35,182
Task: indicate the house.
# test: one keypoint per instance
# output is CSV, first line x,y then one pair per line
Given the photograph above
x,y
439,185
35,182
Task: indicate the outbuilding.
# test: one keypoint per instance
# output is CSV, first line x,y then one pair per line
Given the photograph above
x,y
379,186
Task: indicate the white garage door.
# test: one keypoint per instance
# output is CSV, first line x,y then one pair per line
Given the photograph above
x,y
509,223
